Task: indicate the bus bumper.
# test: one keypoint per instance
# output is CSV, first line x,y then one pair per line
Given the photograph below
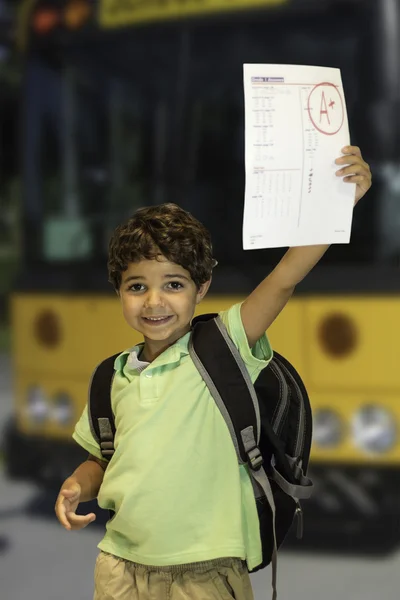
x,y
352,507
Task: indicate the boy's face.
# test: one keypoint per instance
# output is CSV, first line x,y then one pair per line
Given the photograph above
x,y
159,299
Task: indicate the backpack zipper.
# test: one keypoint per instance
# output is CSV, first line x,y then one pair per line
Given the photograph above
x,y
299,446
284,405
300,520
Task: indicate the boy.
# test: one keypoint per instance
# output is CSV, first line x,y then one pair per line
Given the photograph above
x,y
185,523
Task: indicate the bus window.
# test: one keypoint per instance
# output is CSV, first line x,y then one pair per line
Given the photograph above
x,y
130,121
216,119
98,147
9,183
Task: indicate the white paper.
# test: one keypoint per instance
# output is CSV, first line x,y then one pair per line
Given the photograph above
x,y
295,127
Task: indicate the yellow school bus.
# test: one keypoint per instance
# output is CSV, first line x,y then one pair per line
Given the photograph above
x,y
133,103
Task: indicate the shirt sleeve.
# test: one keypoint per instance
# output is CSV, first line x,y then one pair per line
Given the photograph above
x,y
255,358
83,435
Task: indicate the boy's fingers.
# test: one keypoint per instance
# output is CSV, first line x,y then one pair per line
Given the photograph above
x,y
80,521
69,493
61,515
72,489
352,150
351,160
354,179
66,500
353,170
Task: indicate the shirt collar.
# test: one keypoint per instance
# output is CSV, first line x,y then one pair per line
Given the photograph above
x,y
171,355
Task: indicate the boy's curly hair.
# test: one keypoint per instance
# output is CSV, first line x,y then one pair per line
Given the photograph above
x,y
166,229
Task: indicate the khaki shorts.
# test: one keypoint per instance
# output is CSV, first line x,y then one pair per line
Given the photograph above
x,y
222,579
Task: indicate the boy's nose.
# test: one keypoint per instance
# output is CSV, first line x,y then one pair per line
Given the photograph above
x,y
154,298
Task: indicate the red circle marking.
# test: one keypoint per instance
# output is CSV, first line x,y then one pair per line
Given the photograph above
x,y
309,109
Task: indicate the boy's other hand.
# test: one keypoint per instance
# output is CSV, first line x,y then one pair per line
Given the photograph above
x,y
357,171
66,505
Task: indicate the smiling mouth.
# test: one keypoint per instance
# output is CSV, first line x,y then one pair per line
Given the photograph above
x,y
156,320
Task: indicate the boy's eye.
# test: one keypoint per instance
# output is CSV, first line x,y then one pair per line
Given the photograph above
x,y
174,285
137,287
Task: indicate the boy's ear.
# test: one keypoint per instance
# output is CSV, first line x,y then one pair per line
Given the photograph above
x,y
202,291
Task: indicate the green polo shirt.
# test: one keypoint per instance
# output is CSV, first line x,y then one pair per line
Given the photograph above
x,y
174,482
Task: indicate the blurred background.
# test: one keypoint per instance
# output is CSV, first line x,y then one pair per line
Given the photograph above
x,y
110,105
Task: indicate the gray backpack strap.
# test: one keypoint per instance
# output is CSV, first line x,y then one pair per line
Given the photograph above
x,y
304,490
101,417
235,396
230,386
259,476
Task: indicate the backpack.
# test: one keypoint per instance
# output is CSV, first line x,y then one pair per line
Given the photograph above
x,y
270,423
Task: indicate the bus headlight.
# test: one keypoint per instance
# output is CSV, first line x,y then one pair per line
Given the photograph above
x,y
327,429
62,410
37,407
374,429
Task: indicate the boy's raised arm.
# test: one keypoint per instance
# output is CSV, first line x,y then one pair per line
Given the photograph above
x,y
265,303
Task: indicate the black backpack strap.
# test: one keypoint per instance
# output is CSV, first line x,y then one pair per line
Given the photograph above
x,y
224,372
220,365
222,368
101,416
